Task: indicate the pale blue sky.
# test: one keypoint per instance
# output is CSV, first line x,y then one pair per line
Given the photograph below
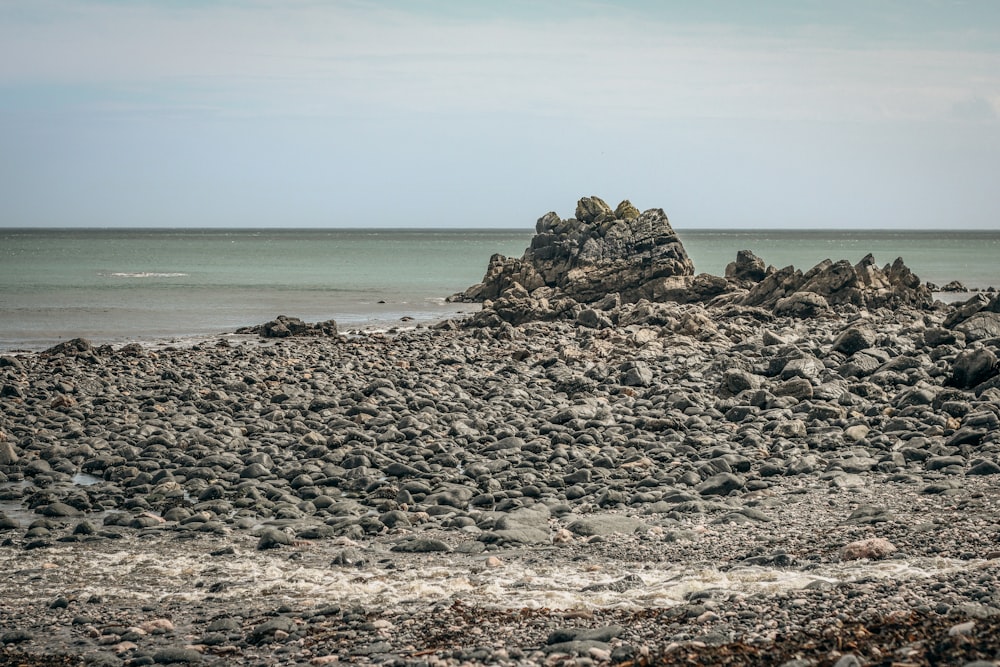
x,y
457,113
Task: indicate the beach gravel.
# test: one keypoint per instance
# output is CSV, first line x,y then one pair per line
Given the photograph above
x,y
640,484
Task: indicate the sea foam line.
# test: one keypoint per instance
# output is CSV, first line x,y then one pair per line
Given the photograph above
x,y
145,274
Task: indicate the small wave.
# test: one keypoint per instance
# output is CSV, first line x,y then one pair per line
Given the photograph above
x,y
145,274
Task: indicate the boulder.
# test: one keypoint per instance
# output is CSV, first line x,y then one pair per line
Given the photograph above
x,y
286,327
748,268
802,305
854,339
973,367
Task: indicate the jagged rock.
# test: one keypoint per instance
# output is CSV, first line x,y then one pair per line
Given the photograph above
x,y
285,327
977,319
687,289
78,347
637,256
502,273
840,283
597,253
802,305
980,326
955,286
593,209
748,268
626,211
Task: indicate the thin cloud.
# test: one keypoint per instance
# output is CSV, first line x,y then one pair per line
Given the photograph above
x,y
316,59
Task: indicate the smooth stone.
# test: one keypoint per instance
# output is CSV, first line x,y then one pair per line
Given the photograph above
x,y
420,545
721,484
606,524
169,656
272,538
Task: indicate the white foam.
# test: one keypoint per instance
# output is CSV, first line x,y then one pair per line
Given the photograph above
x,y
146,274
514,584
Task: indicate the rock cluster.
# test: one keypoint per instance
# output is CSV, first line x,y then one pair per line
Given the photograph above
x,y
585,258
601,258
286,327
864,285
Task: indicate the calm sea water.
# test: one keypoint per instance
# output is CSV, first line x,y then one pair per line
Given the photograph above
x,y
118,285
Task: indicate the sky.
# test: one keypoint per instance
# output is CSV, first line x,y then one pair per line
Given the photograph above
x,y
464,113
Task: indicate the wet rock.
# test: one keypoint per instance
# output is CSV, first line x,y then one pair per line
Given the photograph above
x,y
272,538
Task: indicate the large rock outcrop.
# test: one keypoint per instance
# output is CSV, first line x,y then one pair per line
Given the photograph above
x,y
586,267
599,252
834,284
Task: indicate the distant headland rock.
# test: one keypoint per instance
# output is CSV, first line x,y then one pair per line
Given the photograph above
x,y
592,263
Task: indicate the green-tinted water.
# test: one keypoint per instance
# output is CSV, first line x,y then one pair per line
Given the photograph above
x,y
115,285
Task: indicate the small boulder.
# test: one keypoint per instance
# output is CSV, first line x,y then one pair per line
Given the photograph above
x,y
873,548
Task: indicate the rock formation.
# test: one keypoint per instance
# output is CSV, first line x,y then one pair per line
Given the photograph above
x,y
836,283
286,327
596,253
601,258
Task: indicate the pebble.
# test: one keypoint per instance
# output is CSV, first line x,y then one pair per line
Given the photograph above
x,y
658,442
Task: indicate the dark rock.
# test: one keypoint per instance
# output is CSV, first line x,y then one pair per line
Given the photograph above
x,y
984,468
174,655
720,484
980,326
590,256
78,347
15,637
972,367
636,374
853,340
419,545
604,634
265,631
839,283
748,268
272,538
285,327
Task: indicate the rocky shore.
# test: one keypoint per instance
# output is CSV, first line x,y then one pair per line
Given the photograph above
x,y
768,467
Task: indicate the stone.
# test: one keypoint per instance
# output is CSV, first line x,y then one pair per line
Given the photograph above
x,y
272,538
839,283
174,655
8,456
854,339
980,326
748,268
873,548
972,367
636,374
802,305
419,545
606,524
284,326
720,484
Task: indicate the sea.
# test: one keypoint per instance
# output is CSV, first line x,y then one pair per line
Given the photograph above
x,y
175,285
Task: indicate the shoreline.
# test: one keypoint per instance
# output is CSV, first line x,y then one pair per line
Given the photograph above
x,y
462,311
712,482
